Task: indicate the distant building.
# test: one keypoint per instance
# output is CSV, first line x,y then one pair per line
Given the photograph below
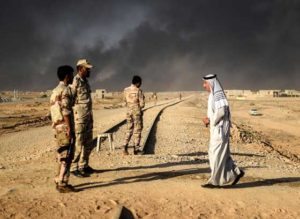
x,y
266,93
275,94
280,93
238,93
100,93
292,93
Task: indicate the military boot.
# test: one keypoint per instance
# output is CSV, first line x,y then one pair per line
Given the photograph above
x,y
65,188
80,173
89,170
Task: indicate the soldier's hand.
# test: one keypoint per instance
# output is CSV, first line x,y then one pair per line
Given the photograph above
x,y
69,134
206,121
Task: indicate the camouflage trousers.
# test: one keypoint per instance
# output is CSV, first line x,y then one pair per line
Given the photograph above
x,y
83,145
63,154
134,127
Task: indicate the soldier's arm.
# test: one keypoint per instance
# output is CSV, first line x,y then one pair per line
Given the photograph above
x,y
74,87
66,107
124,102
141,99
52,101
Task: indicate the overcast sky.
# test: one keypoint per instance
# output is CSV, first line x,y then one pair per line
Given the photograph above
x,y
249,44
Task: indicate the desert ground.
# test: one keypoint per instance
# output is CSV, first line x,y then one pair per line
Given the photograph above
x,y
162,184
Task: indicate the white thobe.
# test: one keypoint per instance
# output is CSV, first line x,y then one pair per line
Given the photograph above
x,y
223,169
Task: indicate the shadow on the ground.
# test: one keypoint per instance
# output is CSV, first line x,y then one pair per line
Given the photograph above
x,y
200,153
150,176
143,178
247,155
162,165
264,182
149,146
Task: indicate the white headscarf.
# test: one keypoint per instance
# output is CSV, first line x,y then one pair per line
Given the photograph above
x,y
217,91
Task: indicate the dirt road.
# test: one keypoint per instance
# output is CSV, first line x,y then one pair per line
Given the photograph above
x,y
165,184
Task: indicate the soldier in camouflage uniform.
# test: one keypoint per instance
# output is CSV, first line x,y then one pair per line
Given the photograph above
x,y
62,123
83,117
135,101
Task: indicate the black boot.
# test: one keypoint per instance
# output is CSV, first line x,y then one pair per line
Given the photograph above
x,y
89,170
80,173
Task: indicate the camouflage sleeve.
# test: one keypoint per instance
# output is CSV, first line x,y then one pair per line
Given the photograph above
x,y
141,99
66,101
74,87
52,98
124,97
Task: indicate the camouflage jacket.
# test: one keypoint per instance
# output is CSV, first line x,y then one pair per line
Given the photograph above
x,y
61,102
134,97
82,100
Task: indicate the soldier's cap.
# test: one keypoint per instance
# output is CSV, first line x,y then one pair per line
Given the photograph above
x,y
84,63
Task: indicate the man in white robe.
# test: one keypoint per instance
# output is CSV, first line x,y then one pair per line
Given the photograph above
x,y
223,169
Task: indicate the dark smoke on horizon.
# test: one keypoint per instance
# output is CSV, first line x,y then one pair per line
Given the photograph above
x,y
171,44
